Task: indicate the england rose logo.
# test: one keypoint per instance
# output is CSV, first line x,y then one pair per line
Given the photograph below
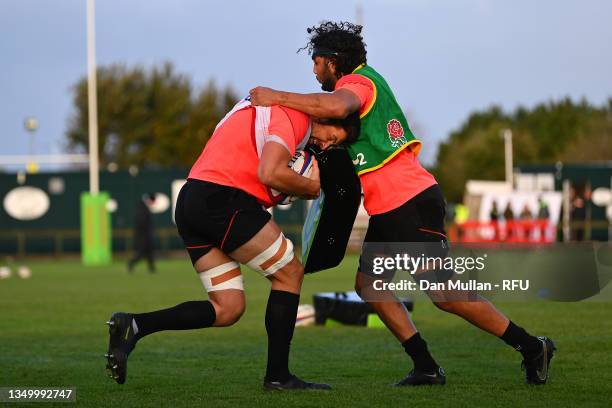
x,y
396,133
395,129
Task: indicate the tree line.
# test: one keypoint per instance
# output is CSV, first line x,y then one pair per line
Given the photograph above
x,y
150,118
567,131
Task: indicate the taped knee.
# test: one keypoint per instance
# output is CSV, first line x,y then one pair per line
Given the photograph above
x,y
279,254
222,277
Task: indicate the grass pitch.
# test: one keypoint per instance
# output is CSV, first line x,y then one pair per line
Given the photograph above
x,y
52,333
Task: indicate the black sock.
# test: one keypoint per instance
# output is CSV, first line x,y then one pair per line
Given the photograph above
x,y
416,348
280,323
196,314
516,337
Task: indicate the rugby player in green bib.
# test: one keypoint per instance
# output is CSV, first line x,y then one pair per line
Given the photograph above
x,y
403,200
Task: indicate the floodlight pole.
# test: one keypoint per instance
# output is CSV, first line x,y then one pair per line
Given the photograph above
x,y
507,135
94,181
31,125
359,14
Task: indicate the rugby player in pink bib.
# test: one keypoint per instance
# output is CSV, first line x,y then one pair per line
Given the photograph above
x,y
221,216
404,201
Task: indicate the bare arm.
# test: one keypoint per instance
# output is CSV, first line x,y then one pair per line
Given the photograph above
x,y
338,104
274,172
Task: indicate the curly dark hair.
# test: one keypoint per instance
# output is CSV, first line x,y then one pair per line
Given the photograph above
x,y
342,43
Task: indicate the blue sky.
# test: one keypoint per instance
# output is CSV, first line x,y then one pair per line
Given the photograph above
x,y
443,58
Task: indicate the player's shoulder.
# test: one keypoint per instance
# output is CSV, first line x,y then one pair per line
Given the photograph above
x,y
292,115
299,122
355,78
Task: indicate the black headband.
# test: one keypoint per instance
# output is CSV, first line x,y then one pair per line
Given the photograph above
x,y
323,52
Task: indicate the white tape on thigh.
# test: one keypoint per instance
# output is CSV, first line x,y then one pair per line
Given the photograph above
x,y
226,276
279,254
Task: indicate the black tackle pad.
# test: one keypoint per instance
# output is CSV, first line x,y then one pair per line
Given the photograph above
x,y
330,220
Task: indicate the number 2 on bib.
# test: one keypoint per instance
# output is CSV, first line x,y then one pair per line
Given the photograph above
x,y
360,160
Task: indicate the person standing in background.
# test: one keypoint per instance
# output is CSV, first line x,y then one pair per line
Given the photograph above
x,y
509,222
494,218
543,219
143,233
